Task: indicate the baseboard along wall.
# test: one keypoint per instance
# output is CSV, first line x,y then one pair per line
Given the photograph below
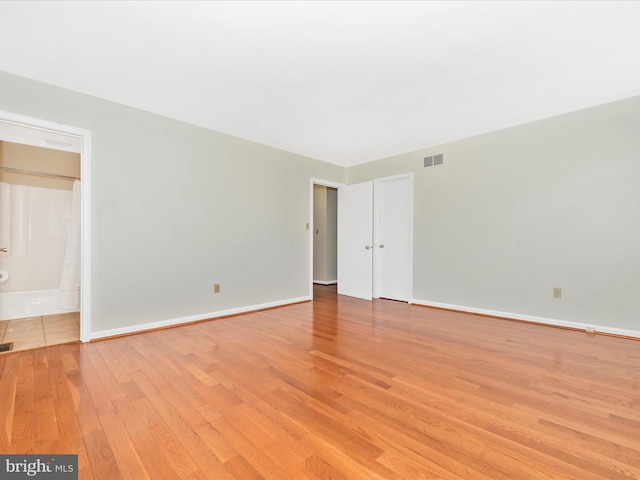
x,y
172,322
589,328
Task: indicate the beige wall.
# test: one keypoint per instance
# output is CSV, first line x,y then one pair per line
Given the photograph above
x,y
177,208
514,213
511,215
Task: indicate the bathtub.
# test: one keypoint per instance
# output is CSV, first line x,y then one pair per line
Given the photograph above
x,y
29,304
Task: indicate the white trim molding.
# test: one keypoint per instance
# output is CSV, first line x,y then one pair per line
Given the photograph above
x,y
591,328
325,282
173,322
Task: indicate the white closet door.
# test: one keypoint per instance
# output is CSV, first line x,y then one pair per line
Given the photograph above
x,y
393,244
355,246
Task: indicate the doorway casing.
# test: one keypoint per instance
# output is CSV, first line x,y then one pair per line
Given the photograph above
x,y
8,118
324,183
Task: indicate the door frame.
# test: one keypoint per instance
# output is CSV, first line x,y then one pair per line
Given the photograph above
x,y
377,232
85,204
324,183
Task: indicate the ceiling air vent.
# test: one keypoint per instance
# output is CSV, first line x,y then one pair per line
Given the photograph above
x,y
434,160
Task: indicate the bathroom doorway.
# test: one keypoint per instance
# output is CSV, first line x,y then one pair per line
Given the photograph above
x,y
44,214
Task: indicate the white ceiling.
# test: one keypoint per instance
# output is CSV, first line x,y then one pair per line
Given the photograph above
x,y
344,82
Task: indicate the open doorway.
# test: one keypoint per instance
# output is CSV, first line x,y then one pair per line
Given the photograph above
x,y
40,242
325,235
41,166
323,242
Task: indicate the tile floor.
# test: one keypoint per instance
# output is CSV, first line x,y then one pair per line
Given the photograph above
x,y
33,332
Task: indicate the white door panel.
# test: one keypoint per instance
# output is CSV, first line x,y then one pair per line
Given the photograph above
x,y
393,245
355,233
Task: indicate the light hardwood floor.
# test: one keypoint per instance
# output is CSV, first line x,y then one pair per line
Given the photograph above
x,y
34,332
338,388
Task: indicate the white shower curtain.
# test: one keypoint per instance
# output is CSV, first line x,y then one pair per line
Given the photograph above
x,y
15,218
69,296
5,215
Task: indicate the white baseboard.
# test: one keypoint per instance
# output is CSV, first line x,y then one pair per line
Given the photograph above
x,y
326,282
533,319
192,318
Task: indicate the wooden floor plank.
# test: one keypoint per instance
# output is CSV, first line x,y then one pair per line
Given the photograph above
x,y
151,454
337,388
24,420
8,388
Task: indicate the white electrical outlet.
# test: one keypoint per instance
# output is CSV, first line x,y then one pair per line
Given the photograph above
x,y
216,288
557,293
